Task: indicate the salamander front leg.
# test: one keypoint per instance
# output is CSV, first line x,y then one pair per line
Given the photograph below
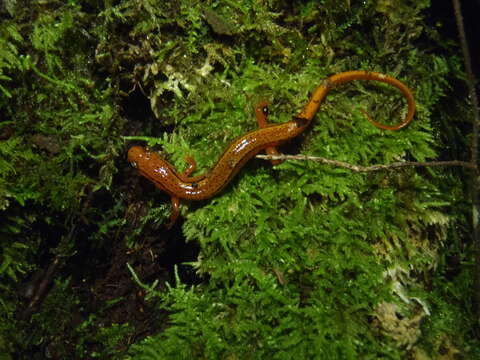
x,y
185,176
261,113
175,211
192,165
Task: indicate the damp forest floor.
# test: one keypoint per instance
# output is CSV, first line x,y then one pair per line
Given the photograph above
x,y
298,260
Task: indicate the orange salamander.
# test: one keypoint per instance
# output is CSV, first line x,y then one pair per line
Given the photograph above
x,y
267,137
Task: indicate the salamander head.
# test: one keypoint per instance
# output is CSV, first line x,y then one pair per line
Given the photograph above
x,y
137,155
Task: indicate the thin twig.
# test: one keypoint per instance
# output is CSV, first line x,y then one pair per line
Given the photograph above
x,y
474,156
377,167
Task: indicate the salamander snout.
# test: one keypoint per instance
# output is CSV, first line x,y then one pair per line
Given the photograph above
x,y
135,154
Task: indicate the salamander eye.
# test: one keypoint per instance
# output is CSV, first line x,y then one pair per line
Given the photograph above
x,y
265,110
194,185
134,164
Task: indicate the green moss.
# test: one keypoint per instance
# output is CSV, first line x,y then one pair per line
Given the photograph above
x,y
303,260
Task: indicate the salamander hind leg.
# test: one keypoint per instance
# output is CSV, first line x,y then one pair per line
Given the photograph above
x,y
261,113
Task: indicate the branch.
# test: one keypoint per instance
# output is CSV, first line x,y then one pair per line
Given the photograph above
x,y
378,167
474,158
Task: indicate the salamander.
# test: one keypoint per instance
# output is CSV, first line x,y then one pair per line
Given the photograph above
x,y
239,151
